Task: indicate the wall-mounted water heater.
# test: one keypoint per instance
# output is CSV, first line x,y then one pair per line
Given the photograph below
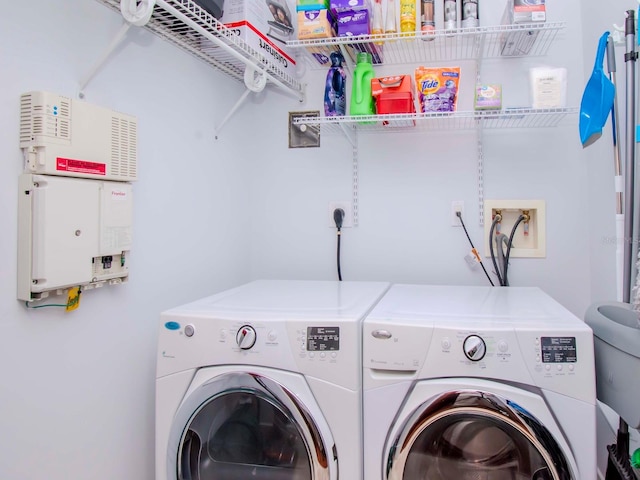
x,y
62,136
75,202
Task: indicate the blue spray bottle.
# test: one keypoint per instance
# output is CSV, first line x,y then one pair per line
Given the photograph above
x,y
335,90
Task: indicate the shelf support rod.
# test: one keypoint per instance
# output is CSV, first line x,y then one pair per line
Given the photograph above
x,y
355,182
117,40
134,12
480,174
233,110
350,134
255,81
217,41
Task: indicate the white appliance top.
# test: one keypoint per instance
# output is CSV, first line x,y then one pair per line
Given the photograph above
x,y
473,306
282,300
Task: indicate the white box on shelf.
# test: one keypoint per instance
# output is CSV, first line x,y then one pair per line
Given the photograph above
x,y
265,26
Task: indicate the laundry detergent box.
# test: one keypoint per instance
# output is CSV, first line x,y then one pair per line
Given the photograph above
x,y
488,97
353,17
265,26
437,88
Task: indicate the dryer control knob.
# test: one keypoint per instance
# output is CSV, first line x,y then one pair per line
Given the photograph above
x,y
474,348
246,337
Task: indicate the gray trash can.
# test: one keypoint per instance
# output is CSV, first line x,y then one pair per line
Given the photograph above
x,y
616,334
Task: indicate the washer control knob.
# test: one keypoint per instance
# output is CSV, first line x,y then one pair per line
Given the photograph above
x,y
246,337
474,348
189,330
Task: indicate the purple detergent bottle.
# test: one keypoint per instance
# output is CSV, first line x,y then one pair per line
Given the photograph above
x,y
335,96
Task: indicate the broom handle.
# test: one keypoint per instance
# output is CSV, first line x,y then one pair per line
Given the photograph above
x,y
618,179
630,61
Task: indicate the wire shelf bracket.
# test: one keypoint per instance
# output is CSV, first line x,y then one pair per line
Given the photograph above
x,y
188,26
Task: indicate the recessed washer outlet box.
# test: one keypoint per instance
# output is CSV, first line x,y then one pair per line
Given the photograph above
x,y
529,240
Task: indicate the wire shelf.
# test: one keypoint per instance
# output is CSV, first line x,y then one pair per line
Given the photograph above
x,y
441,45
188,26
466,120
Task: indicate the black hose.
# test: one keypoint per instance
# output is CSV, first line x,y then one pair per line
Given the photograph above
x,y
510,245
496,219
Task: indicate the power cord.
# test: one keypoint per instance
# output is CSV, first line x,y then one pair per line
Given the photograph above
x,y
338,217
473,248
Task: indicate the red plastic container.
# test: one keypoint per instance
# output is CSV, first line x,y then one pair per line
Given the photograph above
x,y
393,95
400,102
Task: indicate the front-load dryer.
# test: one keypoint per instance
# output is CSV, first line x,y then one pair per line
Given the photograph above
x,y
263,382
475,383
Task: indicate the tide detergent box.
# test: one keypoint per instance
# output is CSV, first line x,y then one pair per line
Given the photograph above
x,y
265,26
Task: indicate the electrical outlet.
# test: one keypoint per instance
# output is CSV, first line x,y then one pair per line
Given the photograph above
x,y
456,206
529,240
347,222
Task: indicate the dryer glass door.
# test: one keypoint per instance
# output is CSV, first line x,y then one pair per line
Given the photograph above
x,y
470,435
240,426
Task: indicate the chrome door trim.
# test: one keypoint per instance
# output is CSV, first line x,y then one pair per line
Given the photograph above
x,y
480,404
264,388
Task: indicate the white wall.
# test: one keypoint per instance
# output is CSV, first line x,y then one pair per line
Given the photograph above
x,y
408,181
76,399
77,389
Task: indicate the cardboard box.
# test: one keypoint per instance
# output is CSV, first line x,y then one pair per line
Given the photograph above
x,y
353,17
525,11
314,24
264,25
518,12
488,97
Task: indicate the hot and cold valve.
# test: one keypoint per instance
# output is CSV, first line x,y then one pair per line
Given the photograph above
x,y
246,337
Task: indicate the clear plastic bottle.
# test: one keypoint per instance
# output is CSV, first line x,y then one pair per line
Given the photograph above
x,y
427,18
390,24
450,14
469,14
376,28
335,97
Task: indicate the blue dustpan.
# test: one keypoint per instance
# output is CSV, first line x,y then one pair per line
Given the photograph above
x,y
597,99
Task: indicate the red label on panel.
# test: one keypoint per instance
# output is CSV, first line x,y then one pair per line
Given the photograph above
x,y
80,166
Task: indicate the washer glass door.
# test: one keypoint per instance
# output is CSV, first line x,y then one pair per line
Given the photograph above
x,y
470,435
240,426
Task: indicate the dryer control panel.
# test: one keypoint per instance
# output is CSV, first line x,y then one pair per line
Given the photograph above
x,y
559,359
329,352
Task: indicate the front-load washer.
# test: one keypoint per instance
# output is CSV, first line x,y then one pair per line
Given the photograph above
x,y
477,383
263,381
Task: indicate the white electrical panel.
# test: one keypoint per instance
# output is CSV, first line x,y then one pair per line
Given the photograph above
x,y
71,232
68,137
